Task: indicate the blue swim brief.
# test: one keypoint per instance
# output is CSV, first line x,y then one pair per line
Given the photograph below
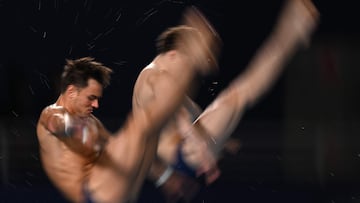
x,y
181,165
87,195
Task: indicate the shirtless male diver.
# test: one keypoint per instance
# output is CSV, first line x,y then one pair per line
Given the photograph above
x,y
81,158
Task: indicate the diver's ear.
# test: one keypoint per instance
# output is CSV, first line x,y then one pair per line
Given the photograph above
x,y
172,54
71,91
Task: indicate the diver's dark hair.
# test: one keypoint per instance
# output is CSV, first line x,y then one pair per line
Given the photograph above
x,y
78,72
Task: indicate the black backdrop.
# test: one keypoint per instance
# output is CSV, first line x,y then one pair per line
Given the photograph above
x,y
36,36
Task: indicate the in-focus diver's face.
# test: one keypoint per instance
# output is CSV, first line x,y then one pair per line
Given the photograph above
x,y
87,98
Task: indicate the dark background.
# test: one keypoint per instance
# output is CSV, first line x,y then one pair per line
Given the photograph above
x,y
300,143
